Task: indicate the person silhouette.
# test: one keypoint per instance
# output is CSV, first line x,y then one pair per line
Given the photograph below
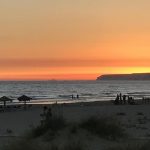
x,y
72,96
120,96
116,102
124,99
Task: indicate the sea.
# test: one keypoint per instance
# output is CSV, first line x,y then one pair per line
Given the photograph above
x,y
67,91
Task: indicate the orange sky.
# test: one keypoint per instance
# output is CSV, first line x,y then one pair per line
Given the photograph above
x,y
65,39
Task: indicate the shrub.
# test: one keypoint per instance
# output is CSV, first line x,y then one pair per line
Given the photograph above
x,y
54,124
134,146
103,127
140,114
49,135
121,114
48,122
22,144
74,129
73,146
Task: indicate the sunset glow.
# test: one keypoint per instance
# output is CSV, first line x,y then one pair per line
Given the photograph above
x,y
65,40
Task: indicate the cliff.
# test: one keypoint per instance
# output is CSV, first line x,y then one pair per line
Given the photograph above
x,y
134,76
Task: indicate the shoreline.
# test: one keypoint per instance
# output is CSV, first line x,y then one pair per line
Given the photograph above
x,y
73,102
59,102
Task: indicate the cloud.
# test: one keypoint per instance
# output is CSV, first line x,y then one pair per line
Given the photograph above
x,y
56,63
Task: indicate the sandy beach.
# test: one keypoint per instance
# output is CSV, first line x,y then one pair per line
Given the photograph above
x,y
135,119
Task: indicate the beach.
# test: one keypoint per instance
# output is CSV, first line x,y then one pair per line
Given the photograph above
x,y
135,119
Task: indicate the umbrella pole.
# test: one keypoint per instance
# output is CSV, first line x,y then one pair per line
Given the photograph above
x,y
25,105
4,104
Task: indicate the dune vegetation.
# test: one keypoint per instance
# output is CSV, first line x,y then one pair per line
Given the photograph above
x,y
55,133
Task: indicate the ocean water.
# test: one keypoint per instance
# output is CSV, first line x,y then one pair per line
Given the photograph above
x,y
60,91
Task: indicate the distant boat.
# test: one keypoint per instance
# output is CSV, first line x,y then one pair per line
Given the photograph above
x,y
133,76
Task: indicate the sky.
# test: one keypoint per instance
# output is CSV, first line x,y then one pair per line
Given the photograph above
x,y
67,39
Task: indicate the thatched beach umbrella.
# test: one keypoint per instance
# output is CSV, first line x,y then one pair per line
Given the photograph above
x,y
24,98
5,99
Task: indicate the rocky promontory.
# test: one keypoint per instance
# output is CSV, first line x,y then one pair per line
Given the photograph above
x,y
134,76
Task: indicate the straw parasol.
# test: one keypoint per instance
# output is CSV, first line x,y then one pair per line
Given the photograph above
x,y
5,99
24,98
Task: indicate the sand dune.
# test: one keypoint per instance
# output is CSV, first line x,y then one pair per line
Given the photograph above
x,y
135,119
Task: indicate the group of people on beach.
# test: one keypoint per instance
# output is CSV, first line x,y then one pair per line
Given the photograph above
x,y
124,99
